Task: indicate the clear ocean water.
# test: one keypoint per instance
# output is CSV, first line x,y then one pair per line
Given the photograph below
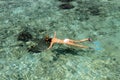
x,y
26,30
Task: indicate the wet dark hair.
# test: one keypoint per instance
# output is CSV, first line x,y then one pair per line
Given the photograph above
x,y
47,39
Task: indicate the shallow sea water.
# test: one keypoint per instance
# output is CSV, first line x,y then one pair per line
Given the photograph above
x,y
23,47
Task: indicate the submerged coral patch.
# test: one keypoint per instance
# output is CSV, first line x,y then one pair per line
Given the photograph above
x,y
66,6
40,46
94,10
65,0
24,36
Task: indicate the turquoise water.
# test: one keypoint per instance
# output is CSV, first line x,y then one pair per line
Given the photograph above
x,y
25,25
